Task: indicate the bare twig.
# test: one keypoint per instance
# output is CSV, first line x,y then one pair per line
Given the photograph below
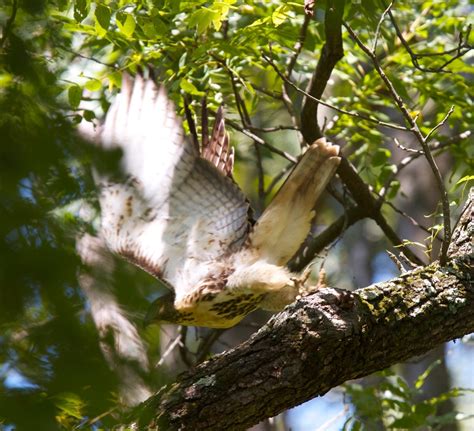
x,y
396,261
408,150
328,105
272,94
298,46
271,129
440,124
434,147
261,141
412,220
176,342
278,177
183,350
247,122
419,136
462,49
329,424
206,344
379,26
85,57
260,178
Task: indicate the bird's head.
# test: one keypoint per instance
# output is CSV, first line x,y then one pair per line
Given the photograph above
x,y
162,311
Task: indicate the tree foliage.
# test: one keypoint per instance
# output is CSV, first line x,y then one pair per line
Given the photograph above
x,y
62,61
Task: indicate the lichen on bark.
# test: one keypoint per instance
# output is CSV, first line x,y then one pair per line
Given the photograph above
x,y
321,341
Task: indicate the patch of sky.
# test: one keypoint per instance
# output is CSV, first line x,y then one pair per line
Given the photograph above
x,y
326,413
383,268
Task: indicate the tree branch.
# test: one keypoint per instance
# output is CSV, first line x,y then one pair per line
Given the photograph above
x,y
422,140
320,342
331,53
367,205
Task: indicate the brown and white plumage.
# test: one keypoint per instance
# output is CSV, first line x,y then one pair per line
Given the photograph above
x,y
177,214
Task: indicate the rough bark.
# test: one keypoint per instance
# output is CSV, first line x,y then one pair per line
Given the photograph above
x,y
320,342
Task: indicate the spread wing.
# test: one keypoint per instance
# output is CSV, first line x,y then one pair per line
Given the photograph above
x,y
285,223
174,212
217,149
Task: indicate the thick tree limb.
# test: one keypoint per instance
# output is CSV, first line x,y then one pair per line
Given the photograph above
x,y
331,53
320,342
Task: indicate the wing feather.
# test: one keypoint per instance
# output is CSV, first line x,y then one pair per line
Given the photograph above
x,y
285,223
217,149
175,213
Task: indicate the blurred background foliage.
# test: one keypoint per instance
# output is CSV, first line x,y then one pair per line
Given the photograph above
x,y
62,60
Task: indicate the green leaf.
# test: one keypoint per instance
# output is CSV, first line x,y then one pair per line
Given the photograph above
x,y
88,115
356,426
380,157
465,179
126,23
406,422
280,15
182,60
81,10
74,95
115,80
189,87
69,403
386,172
423,410
202,19
93,85
420,381
102,15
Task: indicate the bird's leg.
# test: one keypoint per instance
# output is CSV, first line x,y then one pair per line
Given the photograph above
x,y
301,282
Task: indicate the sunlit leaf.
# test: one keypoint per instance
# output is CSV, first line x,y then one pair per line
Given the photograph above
x,y
74,95
102,16
93,85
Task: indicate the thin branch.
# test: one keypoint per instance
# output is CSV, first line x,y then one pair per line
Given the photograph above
x,y
278,177
9,24
287,101
85,57
328,105
247,122
419,136
260,178
183,350
176,342
260,141
298,46
440,124
379,26
409,217
408,150
272,94
329,424
206,344
271,129
462,49
434,147
316,244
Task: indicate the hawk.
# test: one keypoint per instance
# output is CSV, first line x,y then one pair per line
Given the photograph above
x,y
176,212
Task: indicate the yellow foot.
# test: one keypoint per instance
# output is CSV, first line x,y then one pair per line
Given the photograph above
x,y
303,288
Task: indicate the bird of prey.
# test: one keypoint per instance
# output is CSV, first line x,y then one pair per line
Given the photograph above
x,y
176,212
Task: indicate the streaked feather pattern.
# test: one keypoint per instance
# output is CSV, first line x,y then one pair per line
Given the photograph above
x,y
174,210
